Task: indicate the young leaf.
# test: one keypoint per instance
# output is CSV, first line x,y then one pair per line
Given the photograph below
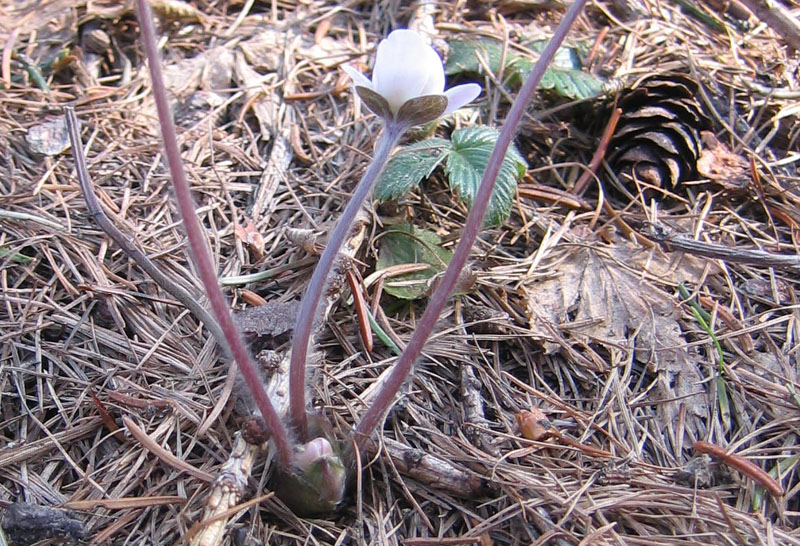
x,y
16,257
469,154
407,244
409,166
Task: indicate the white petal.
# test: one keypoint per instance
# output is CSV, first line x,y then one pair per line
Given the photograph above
x,y
460,95
399,73
357,77
435,83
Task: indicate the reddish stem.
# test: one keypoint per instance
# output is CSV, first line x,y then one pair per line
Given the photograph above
x,y
319,279
197,243
383,401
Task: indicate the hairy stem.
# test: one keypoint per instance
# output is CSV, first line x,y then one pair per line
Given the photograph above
x,y
197,243
424,327
127,246
302,332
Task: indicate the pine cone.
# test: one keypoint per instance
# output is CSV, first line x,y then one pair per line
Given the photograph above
x,y
657,139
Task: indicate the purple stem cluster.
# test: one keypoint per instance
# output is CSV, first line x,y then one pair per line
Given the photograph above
x,y
303,331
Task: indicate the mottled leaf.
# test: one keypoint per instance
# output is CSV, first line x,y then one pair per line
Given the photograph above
x,y
407,244
463,55
568,83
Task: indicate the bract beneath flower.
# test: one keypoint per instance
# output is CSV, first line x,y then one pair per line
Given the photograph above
x,y
406,70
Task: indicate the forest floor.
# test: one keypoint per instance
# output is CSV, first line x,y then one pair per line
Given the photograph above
x,y
563,396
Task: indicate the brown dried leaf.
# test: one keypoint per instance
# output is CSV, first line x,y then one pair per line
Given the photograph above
x,y
250,236
325,51
265,105
271,319
718,163
264,51
48,138
533,425
602,296
218,70
176,10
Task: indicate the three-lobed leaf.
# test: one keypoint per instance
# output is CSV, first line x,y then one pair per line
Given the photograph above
x,y
468,157
465,157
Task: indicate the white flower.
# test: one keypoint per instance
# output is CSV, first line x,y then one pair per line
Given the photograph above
x,y
407,68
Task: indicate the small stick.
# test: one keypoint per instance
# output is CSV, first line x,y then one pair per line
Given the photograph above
x,y
599,153
670,241
748,468
778,19
362,312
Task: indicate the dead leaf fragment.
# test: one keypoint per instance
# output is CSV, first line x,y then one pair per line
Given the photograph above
x,y
602,296
49,138
250,236
176,10
533,425
718,163
270,319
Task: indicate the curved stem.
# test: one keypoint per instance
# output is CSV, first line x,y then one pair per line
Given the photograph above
x,y
127,245
197,243
305,319
424,327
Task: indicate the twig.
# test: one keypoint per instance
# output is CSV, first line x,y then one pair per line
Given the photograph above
x,y
675,241
599,154
778,19
14,215
229,488
433,471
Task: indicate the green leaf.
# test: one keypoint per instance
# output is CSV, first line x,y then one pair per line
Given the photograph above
x,y
409,166
407,244
563,77
568,83
463,56
471,148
